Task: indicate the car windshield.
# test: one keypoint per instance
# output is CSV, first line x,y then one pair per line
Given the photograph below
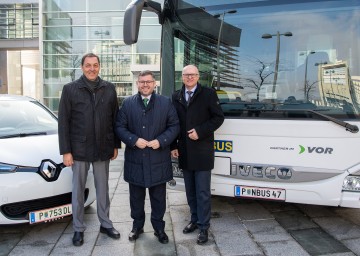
x,y
25,118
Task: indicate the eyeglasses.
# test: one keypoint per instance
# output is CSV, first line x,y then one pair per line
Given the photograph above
x,y
190,75
150,82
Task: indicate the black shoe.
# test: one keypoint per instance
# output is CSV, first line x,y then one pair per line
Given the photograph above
x,y
134,234
203,236
111,232
162,236
190,228
78,238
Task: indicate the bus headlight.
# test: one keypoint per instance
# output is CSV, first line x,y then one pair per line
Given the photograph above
x,y
351,183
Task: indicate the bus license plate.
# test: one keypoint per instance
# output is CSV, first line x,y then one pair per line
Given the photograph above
x,y
260,193
50,214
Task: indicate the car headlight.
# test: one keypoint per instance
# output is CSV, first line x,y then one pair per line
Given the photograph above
x,y
7,168
351,183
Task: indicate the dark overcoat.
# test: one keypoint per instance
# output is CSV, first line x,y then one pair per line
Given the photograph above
x,y
86,121
205,115
147,167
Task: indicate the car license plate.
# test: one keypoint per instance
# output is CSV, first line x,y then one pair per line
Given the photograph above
x,y
50,214
260,193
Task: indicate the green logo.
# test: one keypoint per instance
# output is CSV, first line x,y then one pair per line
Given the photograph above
x,y
302,149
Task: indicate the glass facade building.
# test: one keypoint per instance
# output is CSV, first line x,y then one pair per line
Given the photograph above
x,y
19,48
70,29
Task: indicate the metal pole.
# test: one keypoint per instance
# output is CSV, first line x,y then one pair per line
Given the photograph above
x,y
306,64
218,53
276,63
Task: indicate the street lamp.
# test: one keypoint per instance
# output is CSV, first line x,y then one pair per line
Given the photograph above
x,y
305,78
218,44
268,36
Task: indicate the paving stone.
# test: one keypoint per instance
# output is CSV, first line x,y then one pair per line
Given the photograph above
x,y
115,249
124,229
43,249
236,243
177,198
43,234
338,227
180,213
191,248
316,242
293,220
122,200
283,248
227,222
267,231
252,211
353,245
314,211
8,241
148,245
65,247
274,206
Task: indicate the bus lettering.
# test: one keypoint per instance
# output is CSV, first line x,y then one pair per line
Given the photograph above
x,y
223,146
320,150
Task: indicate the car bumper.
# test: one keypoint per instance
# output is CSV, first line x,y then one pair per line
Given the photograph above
x,y
23,192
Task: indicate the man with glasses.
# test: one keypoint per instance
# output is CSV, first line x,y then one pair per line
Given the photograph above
x,y
147,123
200,115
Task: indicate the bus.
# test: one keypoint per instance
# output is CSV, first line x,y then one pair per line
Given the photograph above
x,y
291,134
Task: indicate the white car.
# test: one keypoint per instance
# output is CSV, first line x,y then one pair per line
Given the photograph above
x,y
35,186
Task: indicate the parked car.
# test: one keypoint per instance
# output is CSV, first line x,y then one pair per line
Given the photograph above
x,y
35,186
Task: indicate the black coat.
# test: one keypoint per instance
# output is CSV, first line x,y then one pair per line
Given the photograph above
x,y
86,121
205,115
147,167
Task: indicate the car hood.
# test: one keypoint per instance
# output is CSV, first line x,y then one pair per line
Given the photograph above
x,y
30,151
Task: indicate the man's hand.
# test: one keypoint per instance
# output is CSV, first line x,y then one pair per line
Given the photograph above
x,y
68,159
141,143
115,154
193,134
175,153
154,144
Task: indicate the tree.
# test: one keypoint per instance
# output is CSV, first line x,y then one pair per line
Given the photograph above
x,y
261,74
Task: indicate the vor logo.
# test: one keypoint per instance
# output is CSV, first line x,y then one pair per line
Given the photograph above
x,y
319,150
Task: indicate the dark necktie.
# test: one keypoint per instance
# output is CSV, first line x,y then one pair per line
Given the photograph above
x,y
145,100
189,96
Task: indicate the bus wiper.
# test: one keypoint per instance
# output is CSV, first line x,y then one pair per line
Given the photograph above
x,y
22,135
348,127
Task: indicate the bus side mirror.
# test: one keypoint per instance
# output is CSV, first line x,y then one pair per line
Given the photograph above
x,y
132,19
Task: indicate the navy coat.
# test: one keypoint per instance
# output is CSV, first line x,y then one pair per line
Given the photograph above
x,y
147,167
205,115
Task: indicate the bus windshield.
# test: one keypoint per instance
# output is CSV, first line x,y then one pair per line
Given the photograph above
x,y
268,59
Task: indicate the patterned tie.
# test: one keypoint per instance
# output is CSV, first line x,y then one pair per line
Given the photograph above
x,y
145,100
189,97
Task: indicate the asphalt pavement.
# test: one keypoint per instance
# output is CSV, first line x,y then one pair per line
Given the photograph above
x,y
238,227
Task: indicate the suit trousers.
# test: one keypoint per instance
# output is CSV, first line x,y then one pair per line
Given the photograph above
x,y
157,201
198,194
101,176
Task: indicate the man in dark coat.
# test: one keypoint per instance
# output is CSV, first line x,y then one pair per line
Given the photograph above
x,y
87,113
200,115
147,123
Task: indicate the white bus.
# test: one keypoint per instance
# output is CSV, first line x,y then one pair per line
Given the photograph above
x,y
292,134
